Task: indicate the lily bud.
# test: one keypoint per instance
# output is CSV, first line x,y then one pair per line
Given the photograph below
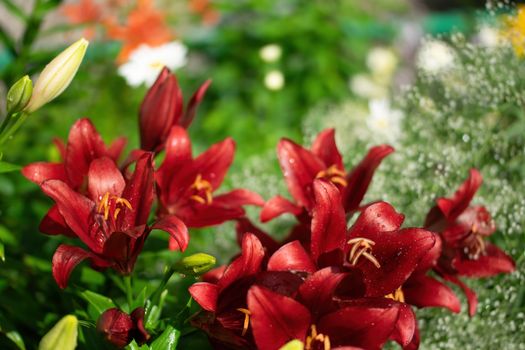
x,y
62,336
293,345
163,108
120,329
196,264
57,75
19,94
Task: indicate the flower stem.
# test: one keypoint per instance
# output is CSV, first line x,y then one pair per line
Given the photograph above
x,y
129,291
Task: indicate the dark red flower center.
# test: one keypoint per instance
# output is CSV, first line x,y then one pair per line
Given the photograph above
x,y
246,323
202,190
334,175
317,341
474,244
362,247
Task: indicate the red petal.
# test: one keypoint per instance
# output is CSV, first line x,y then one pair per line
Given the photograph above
x,y
116,326
179,237
247,264
425,291
493,262
205,294
317,291
282,282
214,163
453,207
139,193
361,176
325,148
65,259
368,327
41,171
277,206
244,225
61,147
300,167
406,325
83,146
54,224
276,319
377,217
472,298
204,215
140,334
291,257
195,101
431,257
238,198
74,208
115,150
104,177
328,220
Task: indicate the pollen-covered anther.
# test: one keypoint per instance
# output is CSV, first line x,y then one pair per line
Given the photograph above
x,y
105,205
246,323
204,190
397,295
316,338
476,245
334,175
362,247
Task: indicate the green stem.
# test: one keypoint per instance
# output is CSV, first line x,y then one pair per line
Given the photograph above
x,y
129,291
6,134
156,295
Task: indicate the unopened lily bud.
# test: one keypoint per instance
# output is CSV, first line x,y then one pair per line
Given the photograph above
x,y
293,345
196,264
62,336
19,94
116,326
57,75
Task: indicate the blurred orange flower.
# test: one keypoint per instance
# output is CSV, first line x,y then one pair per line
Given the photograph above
x,y
205,9
144,25
84,12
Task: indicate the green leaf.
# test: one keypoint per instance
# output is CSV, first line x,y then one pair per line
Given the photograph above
x,y
2,251
97,303
16,338
168,340
134,346
8,167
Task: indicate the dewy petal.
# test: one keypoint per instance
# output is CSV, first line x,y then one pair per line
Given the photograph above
x,y
291,257
74,208
116,326
178,154
368,327
300,167
453,207
139,193
215,162
398,254
328,220
377,217
238,198
179,237
277,206
195,101
209,215
325,148
41,171
205,294
276,319
54,224
424,291
248,264
318,289
104,177
83,146
472,298
405,326
65,259
245,225
360,177
493,262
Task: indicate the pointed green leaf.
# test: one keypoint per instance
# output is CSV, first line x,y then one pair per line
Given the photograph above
x,y
168,340
8,167
16,338
97,303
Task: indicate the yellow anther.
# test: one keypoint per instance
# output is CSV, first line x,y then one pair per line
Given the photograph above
x,y
246,323
333,174
362,247
398,295
202,185
104,205
316,337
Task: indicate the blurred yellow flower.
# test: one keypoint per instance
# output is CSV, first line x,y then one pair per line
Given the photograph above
x,y
515,30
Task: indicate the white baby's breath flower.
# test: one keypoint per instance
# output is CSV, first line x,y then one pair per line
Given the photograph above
x,y
146,62
383,121
364,86
270,53
274,80
435,56
382,63
489,36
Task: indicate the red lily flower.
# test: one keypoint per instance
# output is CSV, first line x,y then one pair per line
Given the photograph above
x,y
163,108
301,167
111,219
463,229
186,185
84,145
120,328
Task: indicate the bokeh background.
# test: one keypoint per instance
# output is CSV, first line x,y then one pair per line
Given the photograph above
x,y
443,81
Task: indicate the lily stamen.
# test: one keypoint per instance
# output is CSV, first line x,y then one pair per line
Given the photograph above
x,y
316,337
362,247
105,205
246,323
334,175
398,295
202,185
